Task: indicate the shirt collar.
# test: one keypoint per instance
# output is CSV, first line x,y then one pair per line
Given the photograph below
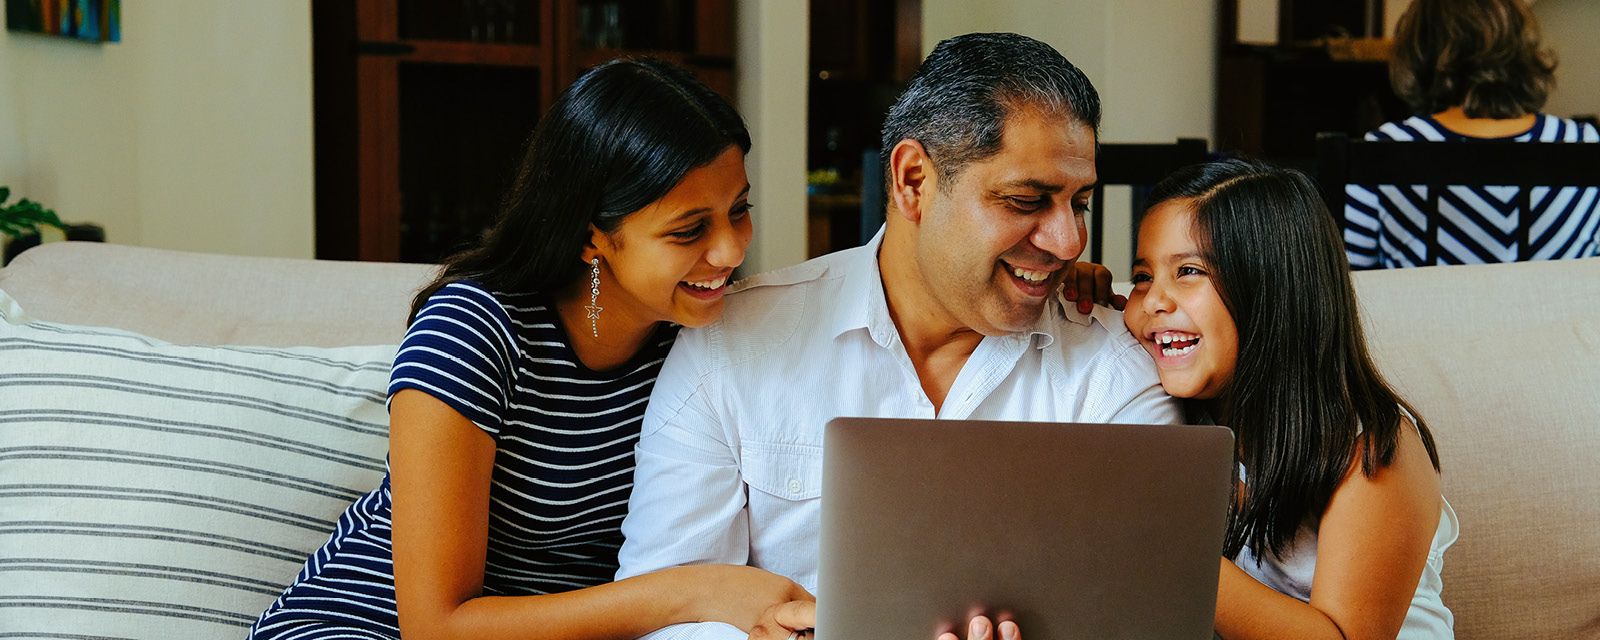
x,y
863,305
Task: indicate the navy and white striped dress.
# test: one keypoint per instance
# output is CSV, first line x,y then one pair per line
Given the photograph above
x,y
564,438
1384,225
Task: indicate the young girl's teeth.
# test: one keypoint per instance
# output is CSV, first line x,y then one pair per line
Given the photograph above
x,y
1033,277
1165,340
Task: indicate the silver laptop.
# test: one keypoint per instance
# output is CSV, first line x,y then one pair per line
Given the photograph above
x,y
1071,530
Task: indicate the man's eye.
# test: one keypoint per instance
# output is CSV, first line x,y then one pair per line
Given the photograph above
x,y
1025,204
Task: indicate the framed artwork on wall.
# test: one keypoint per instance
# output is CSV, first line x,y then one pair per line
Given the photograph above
x,y
89,20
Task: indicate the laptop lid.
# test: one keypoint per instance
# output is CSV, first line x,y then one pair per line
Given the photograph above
x,y
1072,530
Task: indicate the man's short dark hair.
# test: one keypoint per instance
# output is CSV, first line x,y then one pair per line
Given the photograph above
x,y
960,99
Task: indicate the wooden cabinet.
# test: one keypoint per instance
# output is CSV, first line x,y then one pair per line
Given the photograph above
x,y
1322,69
423,107
862,53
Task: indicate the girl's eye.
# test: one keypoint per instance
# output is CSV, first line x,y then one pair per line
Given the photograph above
x,y
740,212
1190,271
1140,277
690,233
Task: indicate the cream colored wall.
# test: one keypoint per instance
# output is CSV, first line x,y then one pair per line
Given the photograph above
x,y
1569,28
1153,62
194,133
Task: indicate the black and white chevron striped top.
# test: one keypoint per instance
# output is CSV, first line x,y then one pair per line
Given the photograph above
x,y
564,438
1384,225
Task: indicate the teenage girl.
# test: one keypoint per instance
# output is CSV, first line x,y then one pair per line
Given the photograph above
x,y
518,391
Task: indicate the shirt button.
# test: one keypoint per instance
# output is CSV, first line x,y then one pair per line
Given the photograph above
x,y
795,486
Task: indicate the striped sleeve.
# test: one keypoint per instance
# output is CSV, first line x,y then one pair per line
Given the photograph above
x,y
460,351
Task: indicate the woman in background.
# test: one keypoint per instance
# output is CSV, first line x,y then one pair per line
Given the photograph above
x,y
517,394
1471,69
1242,296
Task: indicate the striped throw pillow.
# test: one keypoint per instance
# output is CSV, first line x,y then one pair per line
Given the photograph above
x,y
153,490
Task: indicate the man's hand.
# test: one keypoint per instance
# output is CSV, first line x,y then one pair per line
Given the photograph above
x,y
981,629
1089,284
781,620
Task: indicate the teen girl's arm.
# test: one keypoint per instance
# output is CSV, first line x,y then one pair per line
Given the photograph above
x,y
1371,548
1089,284
440,464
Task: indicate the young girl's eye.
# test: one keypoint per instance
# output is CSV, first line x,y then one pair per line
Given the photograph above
x,y
1140,277
740,212
1190,271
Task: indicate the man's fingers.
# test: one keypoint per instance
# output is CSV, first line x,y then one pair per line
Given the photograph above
x,y
796,615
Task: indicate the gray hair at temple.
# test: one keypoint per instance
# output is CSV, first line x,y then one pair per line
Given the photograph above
x,y
960,99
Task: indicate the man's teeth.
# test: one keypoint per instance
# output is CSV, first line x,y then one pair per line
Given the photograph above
x,y
708,284
1177,343
1033,277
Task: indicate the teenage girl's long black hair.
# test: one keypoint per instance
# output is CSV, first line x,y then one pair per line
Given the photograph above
x,y
1305,399
618,139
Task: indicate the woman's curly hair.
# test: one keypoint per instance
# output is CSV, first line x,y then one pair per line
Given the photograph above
x,y
1481,55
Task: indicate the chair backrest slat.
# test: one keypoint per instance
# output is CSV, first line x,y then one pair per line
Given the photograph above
x,y
1525,165
1137,165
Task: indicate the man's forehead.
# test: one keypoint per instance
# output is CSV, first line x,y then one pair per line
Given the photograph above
x,y
1046,155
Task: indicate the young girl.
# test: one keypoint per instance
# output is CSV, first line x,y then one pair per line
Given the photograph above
x,y
1242,294
517,394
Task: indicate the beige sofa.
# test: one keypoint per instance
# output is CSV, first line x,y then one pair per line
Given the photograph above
x,y
184,521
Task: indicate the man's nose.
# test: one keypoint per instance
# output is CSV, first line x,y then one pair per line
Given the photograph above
x,y
1061,233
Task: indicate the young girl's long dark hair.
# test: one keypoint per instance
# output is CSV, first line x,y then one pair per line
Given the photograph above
x,y
618,139
1305,399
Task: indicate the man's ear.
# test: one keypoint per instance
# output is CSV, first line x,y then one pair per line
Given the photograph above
x,y
912,179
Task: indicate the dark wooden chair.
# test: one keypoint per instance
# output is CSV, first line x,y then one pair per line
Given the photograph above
x,y
1438,165
1140,166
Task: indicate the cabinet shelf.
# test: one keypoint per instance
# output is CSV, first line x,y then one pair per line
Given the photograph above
x,y
454,52
422,106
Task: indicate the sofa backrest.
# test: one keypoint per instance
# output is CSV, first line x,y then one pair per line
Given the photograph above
x,y
197,298
1503,363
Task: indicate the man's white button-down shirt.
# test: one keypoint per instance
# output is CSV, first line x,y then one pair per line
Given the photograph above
x,y
730,455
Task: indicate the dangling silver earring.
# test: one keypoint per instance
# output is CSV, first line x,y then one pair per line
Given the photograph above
x,y
594,297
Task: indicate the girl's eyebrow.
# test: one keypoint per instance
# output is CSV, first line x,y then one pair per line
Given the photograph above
x,y
699,210
1141,262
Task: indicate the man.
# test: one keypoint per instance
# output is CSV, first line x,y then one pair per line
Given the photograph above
x,y
951,312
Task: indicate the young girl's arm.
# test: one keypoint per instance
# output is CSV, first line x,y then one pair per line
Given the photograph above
x,y
1371,549
440,466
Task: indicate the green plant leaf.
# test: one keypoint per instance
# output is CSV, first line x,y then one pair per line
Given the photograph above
x,y
5,194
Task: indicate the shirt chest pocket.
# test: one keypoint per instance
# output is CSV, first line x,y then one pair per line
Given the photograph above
x,y
783,471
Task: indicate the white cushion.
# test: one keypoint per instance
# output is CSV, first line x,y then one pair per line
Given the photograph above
x,y
152,490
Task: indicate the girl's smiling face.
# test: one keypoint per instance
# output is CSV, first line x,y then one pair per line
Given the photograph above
x,y
1175,310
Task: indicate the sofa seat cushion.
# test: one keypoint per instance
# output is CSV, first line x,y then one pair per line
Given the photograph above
x,y
152,490
1514,415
